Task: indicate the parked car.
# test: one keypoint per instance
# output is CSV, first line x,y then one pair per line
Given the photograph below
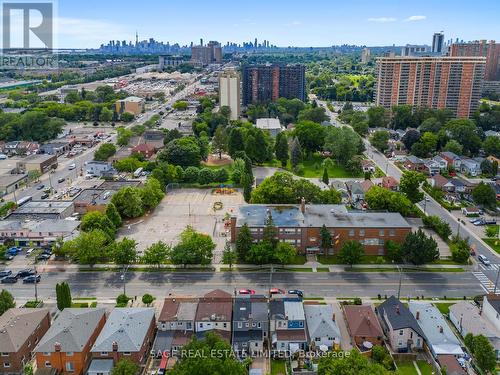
x,y
246,291
25,273
72,166
9,280
29,251
43,257
61,179
14,250
276,291
32,279
5,273
8,256
298,292
47,251
40,187
44,196
483,260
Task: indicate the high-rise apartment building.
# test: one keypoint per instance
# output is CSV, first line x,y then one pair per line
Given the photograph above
x,y
229,91
365,55
413,50
266,83
437,42
434,82
205,55
490,50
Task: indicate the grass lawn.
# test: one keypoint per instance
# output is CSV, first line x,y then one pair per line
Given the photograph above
x,y
367,259
444,307
278,367
406,368
294,269
425,368
384,269
298,259
322,269
494,243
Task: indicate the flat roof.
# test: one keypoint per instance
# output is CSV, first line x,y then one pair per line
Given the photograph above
x,y
268,123
40,158
10,179
44,207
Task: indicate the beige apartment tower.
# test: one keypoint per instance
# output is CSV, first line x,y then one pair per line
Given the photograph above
x,y
229,92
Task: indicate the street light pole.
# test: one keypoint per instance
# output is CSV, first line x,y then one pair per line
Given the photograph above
x,y
400,277
496,282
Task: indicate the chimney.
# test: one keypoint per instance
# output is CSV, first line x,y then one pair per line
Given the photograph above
x,y
418,315
303,205
333,316
440,329
57,347
115,346
397,309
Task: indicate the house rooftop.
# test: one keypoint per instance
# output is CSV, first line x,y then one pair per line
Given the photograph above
x,y
398,315
320,322
294,310
246,309
215,306
17,325
362,321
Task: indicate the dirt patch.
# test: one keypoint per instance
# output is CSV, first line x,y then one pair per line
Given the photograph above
x,y
214,161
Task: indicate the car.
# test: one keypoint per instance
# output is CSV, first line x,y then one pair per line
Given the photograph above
x,y
25,273
32,279
5,273
43,257
40,187
61,179
9,280
298,292
47,251
14,250
71,166
29,251
246,291
276,291
44,196
427,199
489,221
8,256
483,260
474,219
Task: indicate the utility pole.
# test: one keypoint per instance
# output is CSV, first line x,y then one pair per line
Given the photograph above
x,y
496,282
400,277
124,280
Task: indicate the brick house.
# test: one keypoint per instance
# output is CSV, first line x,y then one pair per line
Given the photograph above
x,y
363,325
214,313
300,226
413,163
20,331
66,345
127,334
144,149
390,183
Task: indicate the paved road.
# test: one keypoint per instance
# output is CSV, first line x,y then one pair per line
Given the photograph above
x,y
107,285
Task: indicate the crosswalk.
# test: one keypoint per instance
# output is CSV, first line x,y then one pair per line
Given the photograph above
x,y
490,267
487,285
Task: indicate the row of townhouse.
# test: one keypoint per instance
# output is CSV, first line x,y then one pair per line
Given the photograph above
x,y
443,162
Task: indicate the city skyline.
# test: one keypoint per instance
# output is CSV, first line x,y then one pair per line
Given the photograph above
x,y
318,23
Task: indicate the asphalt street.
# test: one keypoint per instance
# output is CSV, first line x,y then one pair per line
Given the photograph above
x,y
107,285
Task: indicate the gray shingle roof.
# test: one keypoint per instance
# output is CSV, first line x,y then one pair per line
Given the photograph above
x,y
398,315
72,329
127,327
17,325
319,321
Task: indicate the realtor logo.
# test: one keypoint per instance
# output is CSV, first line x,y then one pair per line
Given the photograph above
x,y
27,35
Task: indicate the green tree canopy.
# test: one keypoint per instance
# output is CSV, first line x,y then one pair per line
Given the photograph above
x,y
183,151
157,253
6,301
351,252
418,248
193,248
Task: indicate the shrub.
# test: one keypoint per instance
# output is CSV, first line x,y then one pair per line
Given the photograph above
x,y
147,299
122,300
357,301
206,176
441,227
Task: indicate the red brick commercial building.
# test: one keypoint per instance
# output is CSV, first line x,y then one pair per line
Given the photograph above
x,y
481,48
434,82
300,226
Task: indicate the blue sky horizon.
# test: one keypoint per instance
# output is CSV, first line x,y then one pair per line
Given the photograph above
x,y
284,23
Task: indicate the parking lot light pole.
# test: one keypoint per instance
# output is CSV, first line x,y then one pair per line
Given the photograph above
x,y
496,282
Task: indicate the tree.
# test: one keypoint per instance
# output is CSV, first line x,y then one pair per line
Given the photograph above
x,y
229,256
236,142
127,117
377,117
6,301
379,198
316,115
343,143
354,363
243,241
325,178
147,299
460,250
151,193
441,227
281,148
380,140
182,151
88,248
483,353
464,131
284,253
128,202
63,296
219,141
418,248
260,253
157,254
483,194
393,251
489,168
402,117
113,215
34,175
326,238
410,184
125,251
125,367
247,182
310,135
351,252
193,248
222,363
106,115
105,151
295,152
180,105
97,220
453,146
411,137
491,146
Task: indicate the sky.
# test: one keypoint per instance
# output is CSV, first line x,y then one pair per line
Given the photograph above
x,y
88,23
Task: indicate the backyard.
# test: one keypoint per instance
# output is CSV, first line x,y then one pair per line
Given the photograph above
x,y
408,368
278,367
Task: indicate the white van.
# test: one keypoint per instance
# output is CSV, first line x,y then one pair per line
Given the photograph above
x,y
72,166
483,260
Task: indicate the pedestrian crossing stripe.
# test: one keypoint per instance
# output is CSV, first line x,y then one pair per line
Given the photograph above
x,y
487,285
490,267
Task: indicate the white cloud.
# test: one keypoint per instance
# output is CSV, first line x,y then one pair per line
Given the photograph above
x,y
415,18
294,23
382,19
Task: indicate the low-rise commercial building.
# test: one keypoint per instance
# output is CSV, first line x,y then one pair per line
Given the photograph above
x,y
12,182
132,104
38,232
300,226
43,210
271,125
37,162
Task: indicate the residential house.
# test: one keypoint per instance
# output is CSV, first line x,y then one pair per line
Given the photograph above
x,y
458,185
491,309
271,125
452,159
287,324
176,321
390,183
250,323
66,345
443,163
322,326
440,339
20,331
438,181
144,149
494,159
471,167
368,166
355,191
491,133
366,185
432,167
363,325
154,138
99,168
400,326
413,163
215,313
467,318
20,148
127,334
342,189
